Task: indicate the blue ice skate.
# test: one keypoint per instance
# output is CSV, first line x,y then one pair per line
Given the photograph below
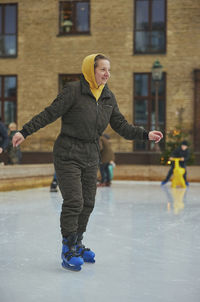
x,y
85,253
71,259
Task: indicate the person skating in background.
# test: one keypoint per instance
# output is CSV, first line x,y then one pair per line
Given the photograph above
x,y
182,152
4,140
106,159
86,108
54,184
14,153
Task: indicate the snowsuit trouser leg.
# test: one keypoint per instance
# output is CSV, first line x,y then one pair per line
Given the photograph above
x,y
78,188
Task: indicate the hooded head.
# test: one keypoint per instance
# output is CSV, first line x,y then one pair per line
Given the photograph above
x,y
90,63
88,70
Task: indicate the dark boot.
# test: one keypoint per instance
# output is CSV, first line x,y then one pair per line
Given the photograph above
x,y
85,253
53,187
71,259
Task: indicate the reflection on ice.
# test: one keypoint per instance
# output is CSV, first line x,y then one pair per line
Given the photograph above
x,y
176,198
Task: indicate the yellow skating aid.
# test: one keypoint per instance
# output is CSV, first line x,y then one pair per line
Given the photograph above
x,y
178,173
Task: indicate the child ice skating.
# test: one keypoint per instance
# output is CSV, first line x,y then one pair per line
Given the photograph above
x,y
86,107
181,152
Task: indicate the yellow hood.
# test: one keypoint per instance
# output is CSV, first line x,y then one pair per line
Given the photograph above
x,y
88,72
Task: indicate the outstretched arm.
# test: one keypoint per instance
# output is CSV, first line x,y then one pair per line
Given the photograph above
x,y
58,107
128,131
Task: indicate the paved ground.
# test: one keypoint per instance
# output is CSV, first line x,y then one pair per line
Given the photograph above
x,y
146,241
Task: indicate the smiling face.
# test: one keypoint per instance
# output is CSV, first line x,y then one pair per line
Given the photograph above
x,y
102,72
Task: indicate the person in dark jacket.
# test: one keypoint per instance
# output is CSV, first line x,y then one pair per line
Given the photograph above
x,y
183,153
14,154
4,140
106,159
86,107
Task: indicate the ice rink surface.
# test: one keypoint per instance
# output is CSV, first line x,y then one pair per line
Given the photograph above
x,y
146,239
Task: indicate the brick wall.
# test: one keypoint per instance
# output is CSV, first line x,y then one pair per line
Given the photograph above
x,y
42,55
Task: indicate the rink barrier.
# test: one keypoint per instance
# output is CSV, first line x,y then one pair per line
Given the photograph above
x,y
20,177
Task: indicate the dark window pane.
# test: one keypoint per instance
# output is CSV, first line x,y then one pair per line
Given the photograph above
x,y
161,87
142,14
158,14
0,108
153,116
0,19
10,86
67,78
82,17
2,49
10,19
161,112
150,41
0,87
142,40
10,45
158,41
140,145
144,108
150,30
66,17
141,85
141,112
9,112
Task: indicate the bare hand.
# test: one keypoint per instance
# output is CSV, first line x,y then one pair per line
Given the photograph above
x,y
17,139
1,150
155,136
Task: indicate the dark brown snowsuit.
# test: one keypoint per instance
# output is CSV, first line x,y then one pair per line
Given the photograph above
x,y
76,150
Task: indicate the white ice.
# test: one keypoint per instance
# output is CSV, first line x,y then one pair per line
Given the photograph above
x,y
146,239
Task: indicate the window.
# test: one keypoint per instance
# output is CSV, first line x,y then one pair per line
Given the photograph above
x,y
74,17
144,106
64,78
8,30
8,98
150,26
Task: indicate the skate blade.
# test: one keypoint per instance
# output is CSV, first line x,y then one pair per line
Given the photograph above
x,y
71,267
89,260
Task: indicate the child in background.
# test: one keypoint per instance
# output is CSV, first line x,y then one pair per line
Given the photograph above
x,y
14,153
182,152
107,159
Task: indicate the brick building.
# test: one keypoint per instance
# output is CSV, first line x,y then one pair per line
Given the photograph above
x,y
42,45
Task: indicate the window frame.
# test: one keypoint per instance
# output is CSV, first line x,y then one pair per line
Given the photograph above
x,y
66,74
150,23
4,99
74,32
150,97
3,5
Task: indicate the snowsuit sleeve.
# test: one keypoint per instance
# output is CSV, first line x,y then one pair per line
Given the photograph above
x,y
123,128
58,107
